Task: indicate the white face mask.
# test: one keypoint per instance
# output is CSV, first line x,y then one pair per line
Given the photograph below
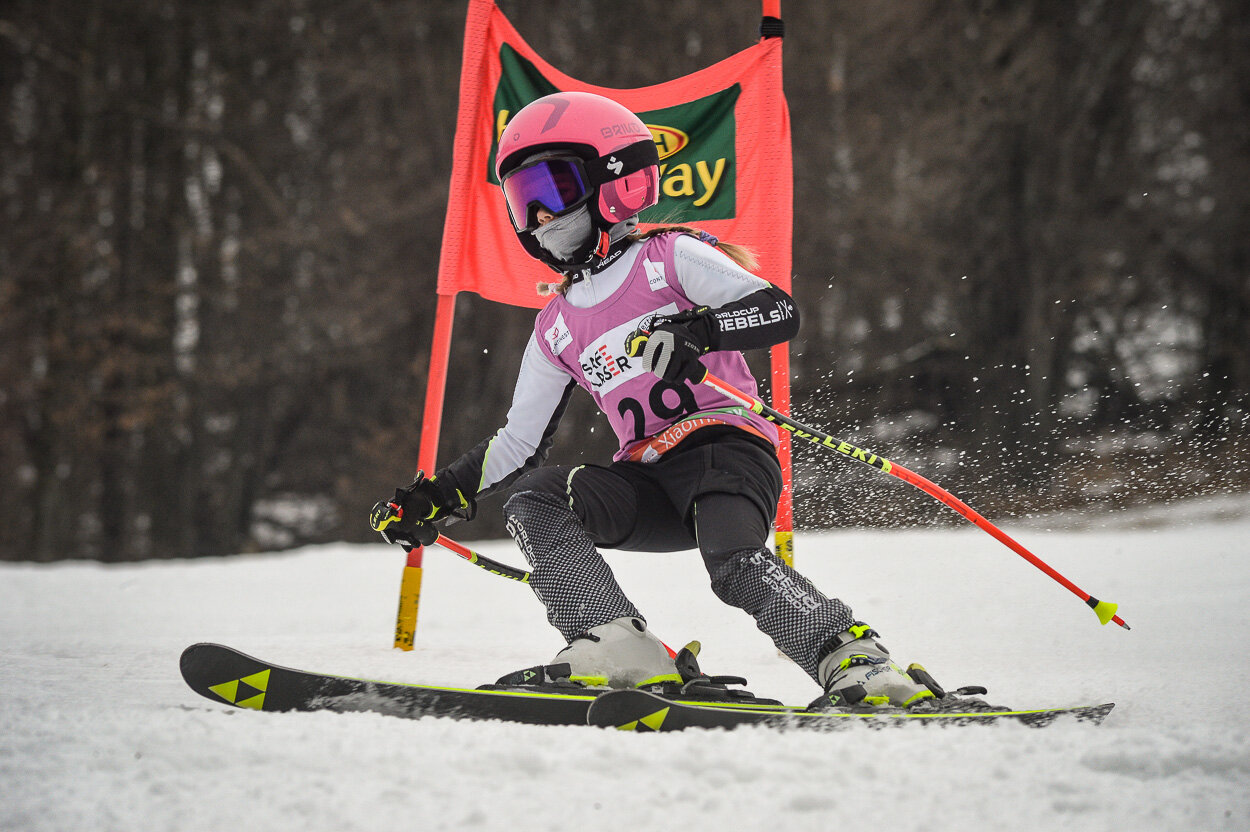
x,y
566,236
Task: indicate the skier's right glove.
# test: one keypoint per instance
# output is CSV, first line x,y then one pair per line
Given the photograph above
x,y
408,518
670,345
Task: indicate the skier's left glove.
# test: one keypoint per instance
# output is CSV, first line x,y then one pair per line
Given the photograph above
x,y
408,518
670,345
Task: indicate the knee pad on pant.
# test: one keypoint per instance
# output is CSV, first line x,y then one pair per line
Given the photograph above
x,y
535,519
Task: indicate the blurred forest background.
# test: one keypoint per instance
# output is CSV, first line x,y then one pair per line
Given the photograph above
x,y
1022,255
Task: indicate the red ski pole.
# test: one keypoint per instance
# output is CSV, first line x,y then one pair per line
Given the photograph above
x,y
1103,609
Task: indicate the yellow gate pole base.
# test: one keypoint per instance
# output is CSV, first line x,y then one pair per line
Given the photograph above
x,y
409,601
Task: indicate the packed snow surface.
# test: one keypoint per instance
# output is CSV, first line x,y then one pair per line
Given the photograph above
x,y
100,733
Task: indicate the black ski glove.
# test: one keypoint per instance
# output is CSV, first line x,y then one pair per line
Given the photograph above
x,y
670,345
408,519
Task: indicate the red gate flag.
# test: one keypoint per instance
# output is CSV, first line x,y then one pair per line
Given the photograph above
x,y
723,134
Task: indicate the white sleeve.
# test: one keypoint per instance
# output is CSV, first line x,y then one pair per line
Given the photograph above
x,y
538,401
709,277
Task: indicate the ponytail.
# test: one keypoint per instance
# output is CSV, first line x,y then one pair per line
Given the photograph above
x,y
741,255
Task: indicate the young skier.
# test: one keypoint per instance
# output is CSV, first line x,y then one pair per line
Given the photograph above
x,y
637,321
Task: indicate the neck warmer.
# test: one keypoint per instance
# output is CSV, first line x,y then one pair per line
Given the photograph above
x,y
568,235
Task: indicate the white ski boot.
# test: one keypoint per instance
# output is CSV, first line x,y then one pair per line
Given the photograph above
x,y
620,654
859,672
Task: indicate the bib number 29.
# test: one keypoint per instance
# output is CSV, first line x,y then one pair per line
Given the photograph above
x,y
662,392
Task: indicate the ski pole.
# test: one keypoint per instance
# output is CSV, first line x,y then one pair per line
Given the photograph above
x,y
503,570
483,562
1103,609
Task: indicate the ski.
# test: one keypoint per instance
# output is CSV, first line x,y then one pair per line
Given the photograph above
x,y
636,710
225,675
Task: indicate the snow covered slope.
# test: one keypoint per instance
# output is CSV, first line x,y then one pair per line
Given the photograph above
x,y
98,732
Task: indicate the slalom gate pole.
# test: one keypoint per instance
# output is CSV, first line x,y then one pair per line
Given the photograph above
x,y
431,423
1103,609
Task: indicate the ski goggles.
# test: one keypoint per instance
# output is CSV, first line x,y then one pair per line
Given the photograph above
x,y
556,184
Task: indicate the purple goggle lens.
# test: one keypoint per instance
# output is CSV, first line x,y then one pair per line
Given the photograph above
x,y
554,184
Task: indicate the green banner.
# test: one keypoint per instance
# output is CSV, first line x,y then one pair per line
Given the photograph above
x,y
698,171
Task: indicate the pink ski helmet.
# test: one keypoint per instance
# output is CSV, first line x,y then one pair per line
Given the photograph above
x,y
591,151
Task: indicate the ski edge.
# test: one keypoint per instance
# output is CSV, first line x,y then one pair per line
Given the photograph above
x,y
652,713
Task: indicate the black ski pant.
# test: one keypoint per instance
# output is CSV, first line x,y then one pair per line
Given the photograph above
x,y
716,492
